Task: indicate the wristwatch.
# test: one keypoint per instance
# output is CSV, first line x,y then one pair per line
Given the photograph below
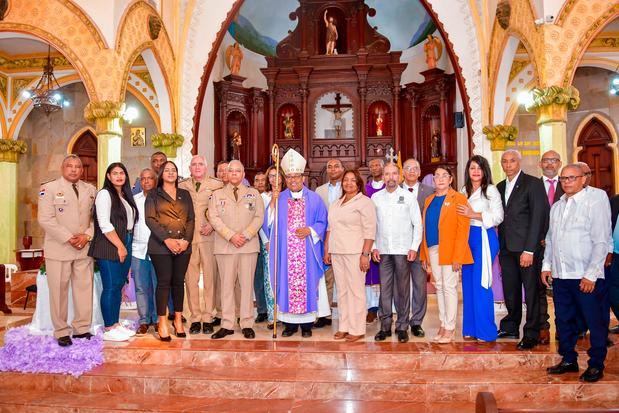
x,y
365,254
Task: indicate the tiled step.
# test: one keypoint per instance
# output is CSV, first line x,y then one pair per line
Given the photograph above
x,y
409,385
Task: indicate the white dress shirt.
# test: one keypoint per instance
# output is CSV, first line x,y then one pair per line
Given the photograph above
x,y
398,222
491,208
103,202
601,196
547,183
415,190
577,239
509,186
335,192
141,232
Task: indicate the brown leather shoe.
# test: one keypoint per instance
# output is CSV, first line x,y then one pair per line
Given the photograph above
x,y
340,335
350,338
544,336
142,330
371,317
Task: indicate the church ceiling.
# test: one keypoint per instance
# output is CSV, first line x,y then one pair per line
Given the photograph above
x,y
261,24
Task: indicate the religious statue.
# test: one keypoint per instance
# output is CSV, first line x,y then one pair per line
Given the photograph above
x,y
331,34
288,126
433,49
379,124
234,57
236,145
338,109
435,145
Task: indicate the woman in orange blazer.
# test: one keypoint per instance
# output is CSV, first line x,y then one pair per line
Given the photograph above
x,y
445,248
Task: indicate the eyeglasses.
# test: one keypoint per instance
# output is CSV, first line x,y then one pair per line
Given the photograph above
x,y
411,168
570,178
551,160
442,176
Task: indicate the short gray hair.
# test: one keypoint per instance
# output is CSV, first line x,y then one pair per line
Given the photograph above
x,y
516,153
72,156
576,165
235,161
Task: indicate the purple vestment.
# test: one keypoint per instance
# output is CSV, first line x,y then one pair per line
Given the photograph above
x,y
315,218
372,276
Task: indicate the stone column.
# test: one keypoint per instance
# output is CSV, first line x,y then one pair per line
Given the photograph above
x,y
107,117
9,156
551,105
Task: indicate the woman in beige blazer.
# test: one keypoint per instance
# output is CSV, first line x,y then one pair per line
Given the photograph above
x,y
348,242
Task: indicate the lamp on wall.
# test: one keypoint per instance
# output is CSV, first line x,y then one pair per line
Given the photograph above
x,y
614,83
45,94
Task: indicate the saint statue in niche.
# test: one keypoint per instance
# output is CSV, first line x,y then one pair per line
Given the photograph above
x,y
435,145
433,49
379,124
234,57
288,126
236,145
331,34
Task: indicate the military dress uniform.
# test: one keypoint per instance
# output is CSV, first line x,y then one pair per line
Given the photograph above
x,y
202,253
230,215
62,213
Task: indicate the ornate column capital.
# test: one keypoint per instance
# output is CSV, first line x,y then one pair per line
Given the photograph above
x,y
167,143
499,135
553,102
11,149
106,115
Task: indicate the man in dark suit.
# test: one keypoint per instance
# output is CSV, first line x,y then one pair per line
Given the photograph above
x,y
550,163
526,207
419,278
612,271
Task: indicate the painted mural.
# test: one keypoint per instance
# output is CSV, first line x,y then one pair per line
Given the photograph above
x,y
261,24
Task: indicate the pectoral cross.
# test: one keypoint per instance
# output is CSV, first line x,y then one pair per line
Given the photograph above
x,y
391,156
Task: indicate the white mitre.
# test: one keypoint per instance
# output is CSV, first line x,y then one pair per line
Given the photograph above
x,y
293,163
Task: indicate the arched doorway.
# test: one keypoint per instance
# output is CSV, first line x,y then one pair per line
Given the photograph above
x,y
594,140
86,148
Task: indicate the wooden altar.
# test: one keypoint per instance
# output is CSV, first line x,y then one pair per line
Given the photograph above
x,y
347,105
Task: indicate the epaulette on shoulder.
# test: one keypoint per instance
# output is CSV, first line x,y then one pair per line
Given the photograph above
x,y
184,180
46,182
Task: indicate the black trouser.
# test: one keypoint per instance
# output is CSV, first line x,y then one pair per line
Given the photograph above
x,y
395,289
419,293
295,326
170,270
544,318
514,277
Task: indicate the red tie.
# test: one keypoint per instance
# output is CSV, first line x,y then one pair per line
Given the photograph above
x,y
551,191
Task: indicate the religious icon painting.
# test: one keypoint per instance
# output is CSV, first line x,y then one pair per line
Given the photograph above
x,y
138,137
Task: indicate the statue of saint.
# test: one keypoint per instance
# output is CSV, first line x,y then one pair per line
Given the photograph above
x,y
435,144
236,145
379,124
433,49
331,34
288,126
234,57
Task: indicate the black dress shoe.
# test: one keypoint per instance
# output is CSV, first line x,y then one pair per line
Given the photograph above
x,y
248,333
507,334
86,335
418,331
216,321
322,321
306,333
221,333
262,317
195,328
167,338
563,367
382,335
591,375
402,336
526,344
288,332
64,341
207,328
179,334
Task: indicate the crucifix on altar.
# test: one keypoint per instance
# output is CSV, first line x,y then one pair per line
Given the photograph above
x,y
338,109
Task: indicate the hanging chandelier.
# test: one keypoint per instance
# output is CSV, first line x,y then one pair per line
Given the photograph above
x,y
45,95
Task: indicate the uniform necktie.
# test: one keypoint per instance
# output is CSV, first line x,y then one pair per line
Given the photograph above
x,y
198,186
235,190
77,193
551,191
410,189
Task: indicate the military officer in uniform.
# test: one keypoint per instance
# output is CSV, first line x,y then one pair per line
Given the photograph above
x,y
65,214
201,186
236,213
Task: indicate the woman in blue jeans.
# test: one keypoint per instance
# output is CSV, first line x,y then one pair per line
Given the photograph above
x,y
115,215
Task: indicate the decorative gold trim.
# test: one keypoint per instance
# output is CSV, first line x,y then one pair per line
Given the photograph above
x,y
499,135
105,109
25,63
517,66
167,143
555,95
11,149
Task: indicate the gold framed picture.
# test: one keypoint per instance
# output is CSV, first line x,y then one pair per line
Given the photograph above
x,y
138,137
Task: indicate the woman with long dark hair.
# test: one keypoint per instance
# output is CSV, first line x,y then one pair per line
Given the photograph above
x,y
485,210
170,217
115,215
